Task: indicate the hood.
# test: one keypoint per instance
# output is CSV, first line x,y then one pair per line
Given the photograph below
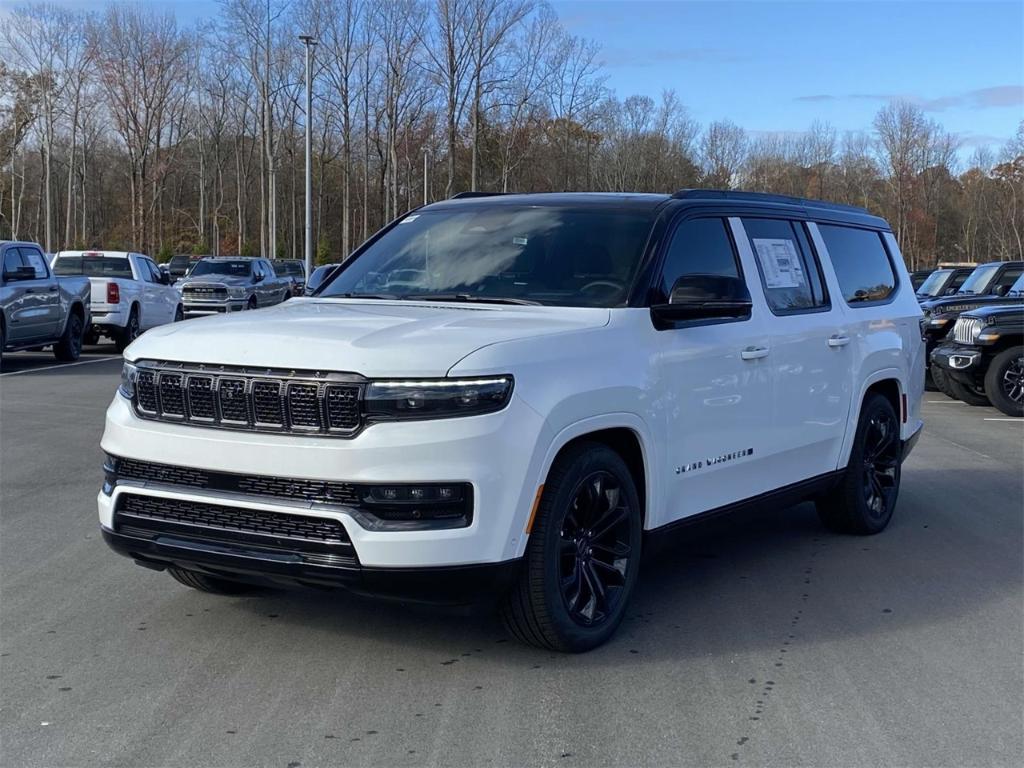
x,y
1006,313
959,303
374,338
217,280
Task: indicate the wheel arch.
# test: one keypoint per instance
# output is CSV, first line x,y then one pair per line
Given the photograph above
x,y
890,384
624,433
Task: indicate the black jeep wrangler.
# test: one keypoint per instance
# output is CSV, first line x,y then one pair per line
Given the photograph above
x,y
983,358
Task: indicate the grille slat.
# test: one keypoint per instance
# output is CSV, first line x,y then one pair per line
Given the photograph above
x,y
290,489
305,403
966,329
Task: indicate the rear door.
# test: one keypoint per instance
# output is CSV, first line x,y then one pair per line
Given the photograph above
x,y
715,381
42,296
811,356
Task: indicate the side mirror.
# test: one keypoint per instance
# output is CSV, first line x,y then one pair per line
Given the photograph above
x,y
257,278
949,292
165,276
705,297
1002,290
21,273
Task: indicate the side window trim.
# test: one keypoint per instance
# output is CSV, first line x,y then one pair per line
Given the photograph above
x,y
810,259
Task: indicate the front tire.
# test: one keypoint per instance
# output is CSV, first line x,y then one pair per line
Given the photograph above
x,y
69,348
252,303
179,314
966,393
941,381
1004,381
864,500
583,555
212,584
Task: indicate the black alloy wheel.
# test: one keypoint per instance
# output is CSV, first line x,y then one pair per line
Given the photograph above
x,y
69,348
881,463
1012,384
1004,381
595,547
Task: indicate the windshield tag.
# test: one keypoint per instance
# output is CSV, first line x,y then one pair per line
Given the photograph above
x,y
519,240
409,219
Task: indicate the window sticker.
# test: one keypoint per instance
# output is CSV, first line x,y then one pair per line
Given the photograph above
x,y
519,241
409,219
780,263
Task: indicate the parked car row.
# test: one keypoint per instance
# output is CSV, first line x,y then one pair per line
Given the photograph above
x,y
71,298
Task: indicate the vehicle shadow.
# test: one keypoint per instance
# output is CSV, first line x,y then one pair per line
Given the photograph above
x,y
742,583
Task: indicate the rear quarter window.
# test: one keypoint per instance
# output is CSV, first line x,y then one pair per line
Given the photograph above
x,y
861,263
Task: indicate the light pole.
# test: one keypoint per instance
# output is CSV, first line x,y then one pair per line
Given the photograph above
x,y
309,42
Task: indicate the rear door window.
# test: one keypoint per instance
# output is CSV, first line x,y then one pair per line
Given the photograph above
x,y
861,263
789,271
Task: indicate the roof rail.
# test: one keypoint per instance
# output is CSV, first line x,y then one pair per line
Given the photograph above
x,y
465,195
761,197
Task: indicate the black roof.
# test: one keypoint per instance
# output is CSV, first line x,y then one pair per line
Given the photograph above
x,y
811,209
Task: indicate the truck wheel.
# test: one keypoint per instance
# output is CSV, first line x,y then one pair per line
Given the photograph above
x,y
864,499
967,393
252,303
129,333
941,381
212,584
583,555
69,348
1004,381
179,314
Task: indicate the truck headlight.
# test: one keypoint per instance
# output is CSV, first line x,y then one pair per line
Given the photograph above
x,y
238,293
129,375
436,398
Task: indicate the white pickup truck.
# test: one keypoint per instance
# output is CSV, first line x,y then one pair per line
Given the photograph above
x,y
129,293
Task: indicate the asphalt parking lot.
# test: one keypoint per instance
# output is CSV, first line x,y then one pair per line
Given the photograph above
x,y
754,640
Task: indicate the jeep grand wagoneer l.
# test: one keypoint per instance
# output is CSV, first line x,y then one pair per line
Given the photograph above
x,y
506,394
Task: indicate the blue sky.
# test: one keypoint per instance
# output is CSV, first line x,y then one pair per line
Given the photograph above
x,y
777,66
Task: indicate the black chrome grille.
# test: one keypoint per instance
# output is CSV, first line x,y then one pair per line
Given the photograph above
x,y
309,403
284,488
255,521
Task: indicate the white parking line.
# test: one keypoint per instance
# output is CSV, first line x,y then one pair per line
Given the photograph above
x,y
945,402
1019,421
62,365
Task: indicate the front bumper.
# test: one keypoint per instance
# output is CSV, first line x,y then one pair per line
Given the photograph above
x,y
960,361
196,308
454,585
499,454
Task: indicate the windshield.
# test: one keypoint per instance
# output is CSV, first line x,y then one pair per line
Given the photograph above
x,y
547,255
240,268
290,268
93,266
934,283
979,279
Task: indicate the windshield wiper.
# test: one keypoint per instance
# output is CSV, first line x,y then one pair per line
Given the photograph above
x,y
468,297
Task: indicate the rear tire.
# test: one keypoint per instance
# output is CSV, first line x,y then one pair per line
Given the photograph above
x,y
69,348
941,381
583,554
214,585
1004,381
129,333
864,500
966,393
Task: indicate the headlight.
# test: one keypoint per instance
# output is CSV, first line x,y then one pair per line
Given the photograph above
x,y
937,321
436,398
238,293
129,375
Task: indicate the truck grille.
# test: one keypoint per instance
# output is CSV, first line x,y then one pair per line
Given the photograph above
x,y
315,540
283,488
204,291
966,329
265,401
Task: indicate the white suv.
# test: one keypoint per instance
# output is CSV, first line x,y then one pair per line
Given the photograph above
x,y
503,395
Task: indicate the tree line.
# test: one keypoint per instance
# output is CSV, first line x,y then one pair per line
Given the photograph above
x,y
125,129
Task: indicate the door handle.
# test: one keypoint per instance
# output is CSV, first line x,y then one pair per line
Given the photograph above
x,y
753,353
838,340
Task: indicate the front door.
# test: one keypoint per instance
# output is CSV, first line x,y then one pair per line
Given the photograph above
x,y
715,383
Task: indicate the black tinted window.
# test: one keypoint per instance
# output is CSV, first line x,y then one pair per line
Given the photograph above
x,y
12,260
789,272
1009,277
34,259
94,265
699,247
861,263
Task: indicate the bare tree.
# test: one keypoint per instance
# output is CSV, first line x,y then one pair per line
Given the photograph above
x,y
723,150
